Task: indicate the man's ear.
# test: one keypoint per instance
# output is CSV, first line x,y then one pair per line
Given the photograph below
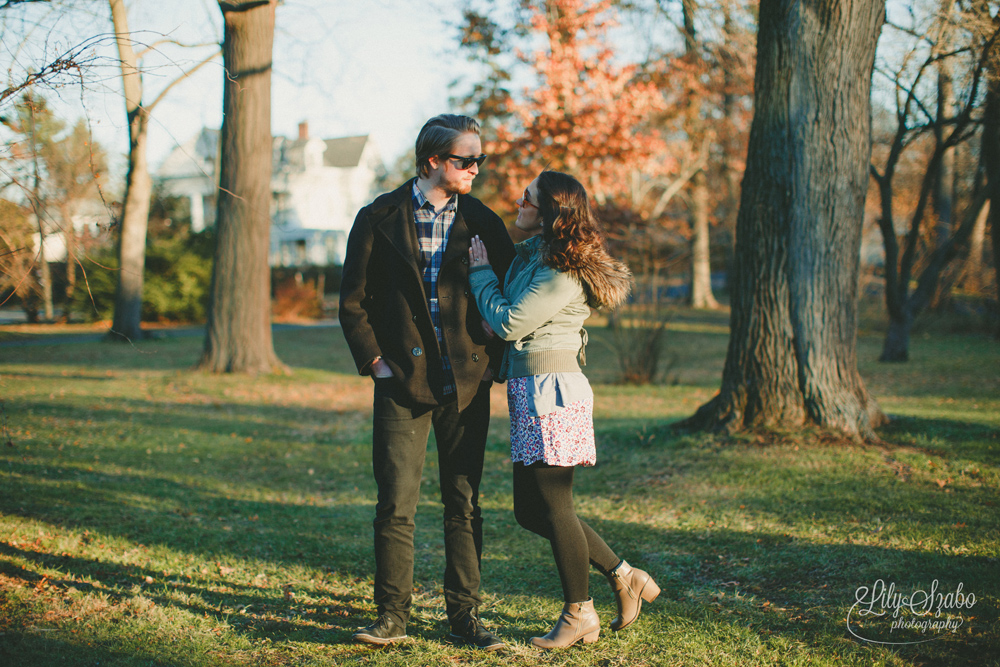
x,y
434,162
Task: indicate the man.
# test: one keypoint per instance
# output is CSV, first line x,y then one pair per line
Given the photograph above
x,y
408,318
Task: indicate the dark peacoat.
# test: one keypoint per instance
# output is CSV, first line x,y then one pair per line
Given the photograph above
x,y
383,306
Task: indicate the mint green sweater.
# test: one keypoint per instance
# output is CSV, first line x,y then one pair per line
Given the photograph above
x,y
540,313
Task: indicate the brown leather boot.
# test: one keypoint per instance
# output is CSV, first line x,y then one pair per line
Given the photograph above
x,y
578,621
631,587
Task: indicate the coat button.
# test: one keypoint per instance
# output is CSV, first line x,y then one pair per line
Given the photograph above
x,y
466,292
414,318
417,351
475,357
465,260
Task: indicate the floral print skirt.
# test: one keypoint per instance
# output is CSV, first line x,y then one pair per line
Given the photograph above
x,y
561,438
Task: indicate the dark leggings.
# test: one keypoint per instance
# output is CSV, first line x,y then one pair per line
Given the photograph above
x,y
543,504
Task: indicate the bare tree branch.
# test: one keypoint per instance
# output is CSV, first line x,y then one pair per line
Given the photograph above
x,y
677,184
60,65
11,3
161,42
72,62
184,75
909,31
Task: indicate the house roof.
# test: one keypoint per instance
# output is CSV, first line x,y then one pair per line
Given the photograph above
x,y
197,155
345,151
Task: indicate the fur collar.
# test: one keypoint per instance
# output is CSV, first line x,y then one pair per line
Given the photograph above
x,y
607,281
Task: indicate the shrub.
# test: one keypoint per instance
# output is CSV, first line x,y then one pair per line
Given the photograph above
x,y
637,335
295,300
177,278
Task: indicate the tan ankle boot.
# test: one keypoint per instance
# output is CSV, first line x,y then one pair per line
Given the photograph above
x,y
631,587
578,621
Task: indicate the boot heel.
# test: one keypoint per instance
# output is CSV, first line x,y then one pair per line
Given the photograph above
x,y
650,590
591,637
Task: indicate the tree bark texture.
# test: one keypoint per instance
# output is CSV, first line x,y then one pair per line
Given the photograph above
x,y
126,323
792,357
238,336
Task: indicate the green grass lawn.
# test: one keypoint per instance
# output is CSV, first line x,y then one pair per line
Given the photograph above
x,y
151,515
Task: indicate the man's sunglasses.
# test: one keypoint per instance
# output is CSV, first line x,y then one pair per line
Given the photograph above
x,y
466,162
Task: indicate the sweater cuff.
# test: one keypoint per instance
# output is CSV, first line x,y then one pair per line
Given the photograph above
x,y
476,269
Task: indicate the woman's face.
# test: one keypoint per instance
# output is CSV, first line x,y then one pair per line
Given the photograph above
x,y
528,218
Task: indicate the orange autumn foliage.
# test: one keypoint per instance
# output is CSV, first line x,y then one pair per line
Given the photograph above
x,y
588,115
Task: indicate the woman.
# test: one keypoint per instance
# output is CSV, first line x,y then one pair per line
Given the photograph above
x,y
559,272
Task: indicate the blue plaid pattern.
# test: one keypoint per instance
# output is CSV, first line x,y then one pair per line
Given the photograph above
x,y
433,228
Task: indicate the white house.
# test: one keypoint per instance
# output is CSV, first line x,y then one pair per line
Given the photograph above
x,y
88,217
317,187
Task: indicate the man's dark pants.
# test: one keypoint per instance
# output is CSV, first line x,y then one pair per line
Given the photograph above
x,y
399,443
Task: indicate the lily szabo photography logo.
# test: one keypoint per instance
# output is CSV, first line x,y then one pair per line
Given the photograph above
x,y
883,614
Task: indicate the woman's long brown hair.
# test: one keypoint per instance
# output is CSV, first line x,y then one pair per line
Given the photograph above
x,y
569,226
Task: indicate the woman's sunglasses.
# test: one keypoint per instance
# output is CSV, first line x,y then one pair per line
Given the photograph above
x,y
466,162
526,200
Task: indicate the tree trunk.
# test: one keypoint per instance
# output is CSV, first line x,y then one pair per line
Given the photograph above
x,y
238,336
701,270
792,357
902,305
126,324
944,178
896,346
45,279
69,235
970,275
990,156
38,206
903,313
730,177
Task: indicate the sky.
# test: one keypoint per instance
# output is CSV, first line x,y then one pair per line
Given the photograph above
x,y
378,67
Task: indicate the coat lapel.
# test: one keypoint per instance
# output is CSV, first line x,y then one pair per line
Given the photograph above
x,y
399,228
459,239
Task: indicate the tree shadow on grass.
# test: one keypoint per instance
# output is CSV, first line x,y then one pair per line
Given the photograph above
x,y
36,648
208,417
77,375
757,583
721,580
321,348
800,588
965,439
839,489
187,518
254,610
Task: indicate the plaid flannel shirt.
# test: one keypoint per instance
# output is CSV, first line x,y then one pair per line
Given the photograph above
x,y
433,228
